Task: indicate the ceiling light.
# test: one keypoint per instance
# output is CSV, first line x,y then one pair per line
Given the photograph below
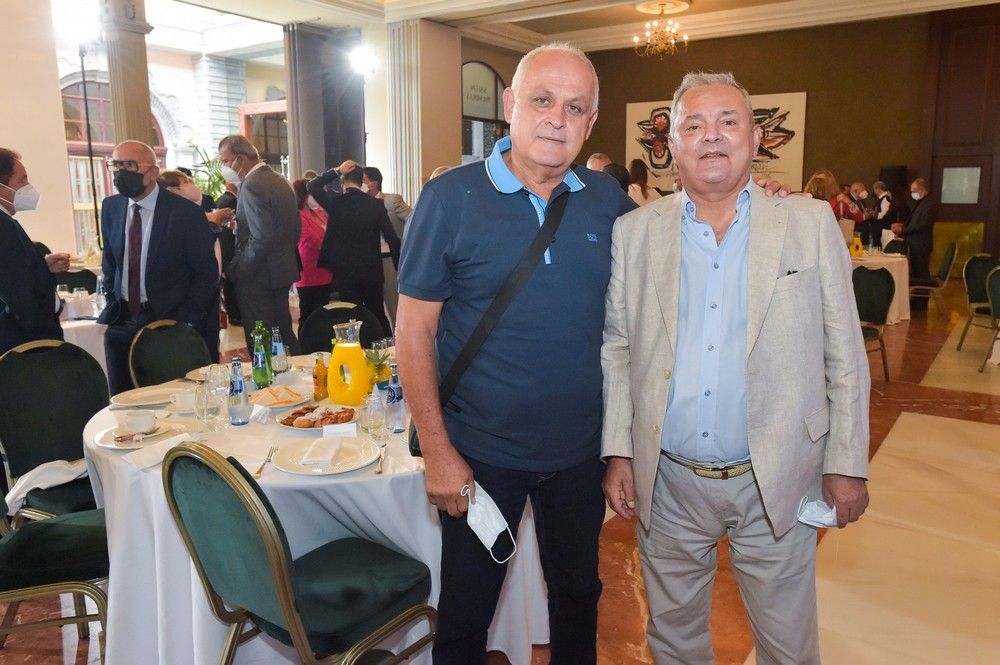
x,y
663,36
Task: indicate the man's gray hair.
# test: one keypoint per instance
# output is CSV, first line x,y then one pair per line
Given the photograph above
x,y
698,80
239,145
557,47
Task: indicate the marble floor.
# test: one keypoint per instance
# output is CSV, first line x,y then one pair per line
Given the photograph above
x,y
932,403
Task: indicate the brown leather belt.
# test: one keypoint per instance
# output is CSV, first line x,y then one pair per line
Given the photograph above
x,y
715,473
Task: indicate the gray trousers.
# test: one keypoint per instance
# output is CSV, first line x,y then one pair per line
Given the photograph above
x,y
259,302
777,577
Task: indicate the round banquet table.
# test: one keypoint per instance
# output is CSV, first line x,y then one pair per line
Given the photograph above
x,y
899,267
157,610
88,335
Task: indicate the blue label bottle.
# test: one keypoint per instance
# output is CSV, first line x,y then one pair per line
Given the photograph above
x,y
395,410
239,402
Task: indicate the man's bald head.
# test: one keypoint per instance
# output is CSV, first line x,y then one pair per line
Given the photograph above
x,y
136,153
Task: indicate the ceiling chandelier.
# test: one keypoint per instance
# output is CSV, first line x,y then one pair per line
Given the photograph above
x,y
663,35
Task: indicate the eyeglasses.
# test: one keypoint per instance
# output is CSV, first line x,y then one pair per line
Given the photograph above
x,y
116,165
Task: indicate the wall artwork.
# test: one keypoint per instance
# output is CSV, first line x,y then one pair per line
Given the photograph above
x,y
782,117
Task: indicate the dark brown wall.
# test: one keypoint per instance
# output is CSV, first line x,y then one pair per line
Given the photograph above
x,y
864,83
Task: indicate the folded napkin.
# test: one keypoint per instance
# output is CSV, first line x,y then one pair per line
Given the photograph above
x,y
817,513
44,476
153,454
323,450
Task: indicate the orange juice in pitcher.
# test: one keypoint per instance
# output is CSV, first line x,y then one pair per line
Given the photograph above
x,y
349,377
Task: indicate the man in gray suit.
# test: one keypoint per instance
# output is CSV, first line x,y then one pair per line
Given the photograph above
x,y
735,385
267,235
398,211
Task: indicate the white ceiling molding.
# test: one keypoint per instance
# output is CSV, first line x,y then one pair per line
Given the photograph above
x,y
763,18
403,10
362,9
505,35
530,14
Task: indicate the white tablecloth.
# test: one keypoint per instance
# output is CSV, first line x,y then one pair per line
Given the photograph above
x,y
88,335
157,612
899,267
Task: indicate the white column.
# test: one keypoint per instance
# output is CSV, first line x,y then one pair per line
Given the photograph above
x,y
404,107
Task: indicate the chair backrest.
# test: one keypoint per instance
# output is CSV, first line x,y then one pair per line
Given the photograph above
x,y
220,511
317,331
974,274
993,292
78,278
873,291
165,350
847,229
895,247
947,263
49,389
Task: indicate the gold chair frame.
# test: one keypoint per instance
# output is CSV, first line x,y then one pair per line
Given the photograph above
x,y
280,565
160,323
973,306
937,292
994,317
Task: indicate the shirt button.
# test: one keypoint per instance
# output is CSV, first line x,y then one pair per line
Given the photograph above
x,y
715,305
711,347
706,234
715,265
666,373
704,435
708,393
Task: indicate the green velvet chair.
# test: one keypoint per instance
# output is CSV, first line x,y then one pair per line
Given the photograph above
x,y
895,247
333,604
974,275
76,279
65,554
873,292
933,286
165,350
993,295
317,331
49,391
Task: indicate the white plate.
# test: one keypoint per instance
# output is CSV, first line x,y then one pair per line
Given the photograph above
x,y
307,361
355,455
265,400
106,439
199,373
148,396
158,429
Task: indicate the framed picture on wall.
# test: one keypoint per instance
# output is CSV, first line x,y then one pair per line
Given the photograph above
x,y
779,157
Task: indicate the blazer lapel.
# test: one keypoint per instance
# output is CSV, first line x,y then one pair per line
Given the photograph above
x,y
768,221
664,252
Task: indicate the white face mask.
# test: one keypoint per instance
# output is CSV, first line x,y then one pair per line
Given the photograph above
x,y
487,522
916,196
25,198
230,174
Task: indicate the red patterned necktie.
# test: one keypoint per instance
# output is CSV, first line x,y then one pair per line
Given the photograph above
x,y
134,261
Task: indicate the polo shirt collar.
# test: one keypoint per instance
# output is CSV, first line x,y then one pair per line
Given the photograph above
x,y
506,182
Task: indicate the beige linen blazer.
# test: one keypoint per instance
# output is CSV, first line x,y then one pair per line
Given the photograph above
x,y
806,369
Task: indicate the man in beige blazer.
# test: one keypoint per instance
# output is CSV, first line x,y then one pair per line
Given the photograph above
x,y
735,384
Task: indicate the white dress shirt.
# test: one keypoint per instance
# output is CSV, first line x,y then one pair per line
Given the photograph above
x,y
146,207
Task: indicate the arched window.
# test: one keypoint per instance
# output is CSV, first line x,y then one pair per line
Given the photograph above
x,y
102,123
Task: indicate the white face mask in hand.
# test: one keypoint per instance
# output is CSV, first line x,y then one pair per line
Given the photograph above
x,y
486,520
817,513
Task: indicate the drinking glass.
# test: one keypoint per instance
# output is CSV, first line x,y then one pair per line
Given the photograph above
x,y
217,380
62,290
207,407
80,293
373,420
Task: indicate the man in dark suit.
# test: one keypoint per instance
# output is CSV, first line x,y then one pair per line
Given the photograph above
x,y
919,230
399,211
352,245
29,308
266,262
158,258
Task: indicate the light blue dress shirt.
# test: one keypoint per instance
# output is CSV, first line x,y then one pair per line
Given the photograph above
x,y
706,417
507,183
147,206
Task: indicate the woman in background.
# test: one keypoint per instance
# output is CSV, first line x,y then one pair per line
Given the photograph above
x,y
314,282
639,189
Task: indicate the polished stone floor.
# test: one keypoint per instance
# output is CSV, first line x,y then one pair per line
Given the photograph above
x,y
928,379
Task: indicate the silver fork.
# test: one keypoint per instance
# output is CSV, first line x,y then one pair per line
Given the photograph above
x,y
260,469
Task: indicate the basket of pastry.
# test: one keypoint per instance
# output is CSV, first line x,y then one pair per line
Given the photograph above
x,y
314,416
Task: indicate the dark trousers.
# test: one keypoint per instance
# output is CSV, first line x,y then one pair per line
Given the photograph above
x,y
311,298
568,510
367,294
259,302
117,342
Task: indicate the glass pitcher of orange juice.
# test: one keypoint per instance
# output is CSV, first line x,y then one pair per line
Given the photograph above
x,y
349,377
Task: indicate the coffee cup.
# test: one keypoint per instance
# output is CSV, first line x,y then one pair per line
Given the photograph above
x,y
138,422
183,401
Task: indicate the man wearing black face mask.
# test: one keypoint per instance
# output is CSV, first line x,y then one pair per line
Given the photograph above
x,y
28,304
158,259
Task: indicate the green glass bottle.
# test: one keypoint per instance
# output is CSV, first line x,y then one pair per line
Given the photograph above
x,y
265,336
261,370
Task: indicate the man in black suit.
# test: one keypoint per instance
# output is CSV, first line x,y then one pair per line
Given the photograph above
x,y
158,258
29,308
919,230
352,245
266,261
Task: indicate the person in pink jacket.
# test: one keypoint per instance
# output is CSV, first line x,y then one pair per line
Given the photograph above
x,y
314,282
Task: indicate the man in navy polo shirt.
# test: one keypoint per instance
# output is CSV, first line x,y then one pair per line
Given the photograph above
x,y
525,420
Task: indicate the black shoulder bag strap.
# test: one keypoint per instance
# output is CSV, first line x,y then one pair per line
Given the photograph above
x,y
506,294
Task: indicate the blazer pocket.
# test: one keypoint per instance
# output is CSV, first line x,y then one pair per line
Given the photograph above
x,y
794,280
818,423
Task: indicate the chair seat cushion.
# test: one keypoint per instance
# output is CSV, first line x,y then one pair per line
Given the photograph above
x,y
983,310
348,588
59,549
71,497
931,282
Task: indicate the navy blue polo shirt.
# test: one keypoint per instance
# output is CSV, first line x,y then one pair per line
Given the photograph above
x,y
531,399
